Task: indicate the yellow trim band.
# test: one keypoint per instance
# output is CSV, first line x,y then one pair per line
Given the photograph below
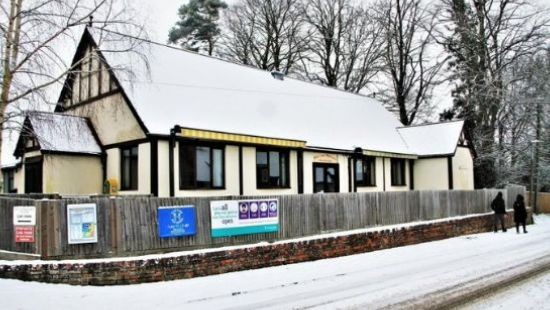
x,y
230,137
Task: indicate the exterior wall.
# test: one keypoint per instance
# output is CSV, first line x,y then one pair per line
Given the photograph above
x,y
317,157
391,188
112,119
463,169
231,176
379,179
144,169
249,175
19,180
431,174
69,174
163,169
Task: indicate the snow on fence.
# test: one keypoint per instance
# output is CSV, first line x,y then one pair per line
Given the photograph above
x,y
128,225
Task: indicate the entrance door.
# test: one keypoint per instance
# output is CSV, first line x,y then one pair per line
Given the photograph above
x,y
33,176
326,178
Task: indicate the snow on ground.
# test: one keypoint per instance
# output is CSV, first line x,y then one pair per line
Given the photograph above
x,y
533,294
371,280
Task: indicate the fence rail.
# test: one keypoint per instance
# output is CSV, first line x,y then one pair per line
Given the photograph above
x,y
128,225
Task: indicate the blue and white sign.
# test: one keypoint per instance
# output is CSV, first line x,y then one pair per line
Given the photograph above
x,y
177,221
244,217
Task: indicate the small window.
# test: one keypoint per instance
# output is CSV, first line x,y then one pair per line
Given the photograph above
x,y
272,169
129,168
9,184
365,171
201,167
398,172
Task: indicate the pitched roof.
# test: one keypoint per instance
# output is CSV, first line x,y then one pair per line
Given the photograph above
x,y
196,91
62,133
433,139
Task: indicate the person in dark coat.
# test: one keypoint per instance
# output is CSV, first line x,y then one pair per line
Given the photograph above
x,y
520,213
500,211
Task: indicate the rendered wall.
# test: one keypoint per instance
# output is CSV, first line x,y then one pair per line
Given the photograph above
x,y
163,169
144,169
431,174
249,175
463,169
316,157
74,175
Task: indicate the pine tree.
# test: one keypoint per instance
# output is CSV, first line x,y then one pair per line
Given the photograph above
x,y
197,28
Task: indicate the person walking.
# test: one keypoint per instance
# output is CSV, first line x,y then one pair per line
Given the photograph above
x,y
520,213
500,211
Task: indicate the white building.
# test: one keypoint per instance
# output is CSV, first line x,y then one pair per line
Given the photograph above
x,y
199,126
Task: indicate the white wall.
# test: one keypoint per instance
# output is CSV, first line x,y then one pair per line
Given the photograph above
x,y
379,179
311,157
164,169
431,174
463,169
249,175
144,168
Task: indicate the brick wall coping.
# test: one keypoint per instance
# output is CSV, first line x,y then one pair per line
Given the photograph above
x,y
328,235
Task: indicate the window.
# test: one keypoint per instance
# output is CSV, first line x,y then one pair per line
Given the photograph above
x,y
9,184
201,167
129,168
398,172
365,172
272,169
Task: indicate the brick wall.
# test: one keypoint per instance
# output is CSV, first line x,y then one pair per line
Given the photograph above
x,y
204,264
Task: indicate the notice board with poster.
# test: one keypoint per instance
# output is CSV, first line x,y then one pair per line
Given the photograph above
x,y
82,223
244,217
24,222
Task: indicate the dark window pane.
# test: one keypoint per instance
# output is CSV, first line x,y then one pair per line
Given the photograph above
x,y
129,168
359,171
272,169
203,166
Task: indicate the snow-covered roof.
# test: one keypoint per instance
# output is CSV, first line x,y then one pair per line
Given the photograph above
x,y
196,91
63,133
433,139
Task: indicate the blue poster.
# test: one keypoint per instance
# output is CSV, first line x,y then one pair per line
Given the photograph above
x,y
177,221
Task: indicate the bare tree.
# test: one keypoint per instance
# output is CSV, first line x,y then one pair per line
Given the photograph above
x,y
486,37
412,62
35,37
265,34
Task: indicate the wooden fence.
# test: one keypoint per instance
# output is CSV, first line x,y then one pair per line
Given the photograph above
x,y
543,201
128,226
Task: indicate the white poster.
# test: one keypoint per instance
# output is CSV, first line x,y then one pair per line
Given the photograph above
x,y
82,223
24,216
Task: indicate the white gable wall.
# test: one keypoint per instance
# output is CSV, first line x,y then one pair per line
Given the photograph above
x,y
431,174
72,175
463,169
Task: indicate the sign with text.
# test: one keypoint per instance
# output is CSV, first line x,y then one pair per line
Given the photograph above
x,y
24,215
177,221
82,223
24,234
244,217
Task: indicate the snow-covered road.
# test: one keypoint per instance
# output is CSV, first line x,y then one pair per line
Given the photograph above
x,y
406,276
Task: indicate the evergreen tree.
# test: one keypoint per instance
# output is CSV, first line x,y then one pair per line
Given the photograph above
x,y
197,28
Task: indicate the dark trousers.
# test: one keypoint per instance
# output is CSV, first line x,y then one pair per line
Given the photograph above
x,y
522,223
499,218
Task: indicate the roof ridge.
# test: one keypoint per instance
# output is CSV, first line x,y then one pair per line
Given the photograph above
x,y
430,124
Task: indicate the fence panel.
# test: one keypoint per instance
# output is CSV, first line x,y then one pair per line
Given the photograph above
x,y
128,225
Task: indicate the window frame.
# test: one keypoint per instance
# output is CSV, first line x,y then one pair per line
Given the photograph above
x,y
212,147
366,162
282,152
393,162
132,175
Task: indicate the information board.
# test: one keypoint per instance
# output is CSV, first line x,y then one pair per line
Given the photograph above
x,y
24,215
82,223
244,217
177,221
